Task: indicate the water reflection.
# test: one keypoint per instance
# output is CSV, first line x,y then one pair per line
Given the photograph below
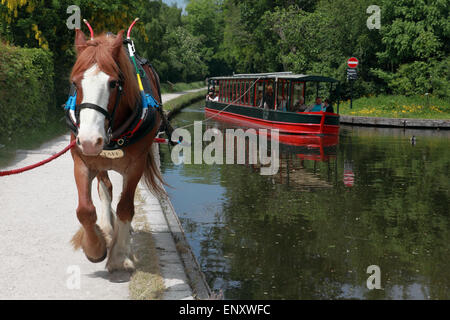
x,y
306,233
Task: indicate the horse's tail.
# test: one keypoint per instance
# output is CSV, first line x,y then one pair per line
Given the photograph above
x,y
152,176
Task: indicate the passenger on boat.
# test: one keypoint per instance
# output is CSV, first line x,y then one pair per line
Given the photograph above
x,y
318,106
327,107
268,99
300,105
282,105
212,95
260,100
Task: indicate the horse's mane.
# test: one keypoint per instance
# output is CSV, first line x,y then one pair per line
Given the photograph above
x,y
99,50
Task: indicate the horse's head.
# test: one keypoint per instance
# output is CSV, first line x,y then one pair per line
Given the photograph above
x,y
100,66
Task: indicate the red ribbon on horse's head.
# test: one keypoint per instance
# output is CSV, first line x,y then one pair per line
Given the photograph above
x,y
90,28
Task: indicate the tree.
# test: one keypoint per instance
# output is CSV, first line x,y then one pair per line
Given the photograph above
x,y
416,42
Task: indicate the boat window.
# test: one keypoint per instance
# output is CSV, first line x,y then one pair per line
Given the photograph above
x,y
259,93
222,91
218,87
241,92
246,93
225,91
233,91
282,95
250,92
244,87
270,94
297,95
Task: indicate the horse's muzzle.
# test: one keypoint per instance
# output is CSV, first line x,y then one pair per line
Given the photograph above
x,y
90,147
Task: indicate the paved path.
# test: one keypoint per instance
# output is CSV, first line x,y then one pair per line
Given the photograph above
x,y
38,221
170,96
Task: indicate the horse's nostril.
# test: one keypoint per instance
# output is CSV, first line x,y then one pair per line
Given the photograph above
x,y
78,141
99,142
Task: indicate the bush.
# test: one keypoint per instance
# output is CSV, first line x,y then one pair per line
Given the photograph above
x,y
419,77
26,88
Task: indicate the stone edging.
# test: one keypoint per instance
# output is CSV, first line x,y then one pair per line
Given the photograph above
x,y
395,122
175,253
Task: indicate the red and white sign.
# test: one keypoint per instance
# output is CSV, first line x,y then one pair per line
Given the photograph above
x,y
352,62
349,178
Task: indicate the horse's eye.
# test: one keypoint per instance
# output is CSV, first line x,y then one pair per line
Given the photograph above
x,y
112,84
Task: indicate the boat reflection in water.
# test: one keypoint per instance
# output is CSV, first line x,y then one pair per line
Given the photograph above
x,y
298,156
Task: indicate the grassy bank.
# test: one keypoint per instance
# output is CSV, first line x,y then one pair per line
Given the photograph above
x,y
146,283
418,107
175,105
181,86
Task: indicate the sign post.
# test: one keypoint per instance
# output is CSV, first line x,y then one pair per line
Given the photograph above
x,y
352,75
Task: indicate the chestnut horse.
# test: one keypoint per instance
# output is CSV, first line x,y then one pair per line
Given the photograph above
x,y
101,63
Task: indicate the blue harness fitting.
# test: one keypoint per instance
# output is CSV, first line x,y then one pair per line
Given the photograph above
x,y
148,100
71,102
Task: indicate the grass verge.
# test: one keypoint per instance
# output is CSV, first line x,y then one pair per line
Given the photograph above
x,y
175,105
181,86
147,282
392,106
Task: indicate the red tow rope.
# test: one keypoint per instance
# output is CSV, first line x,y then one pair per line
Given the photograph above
x,y
53,157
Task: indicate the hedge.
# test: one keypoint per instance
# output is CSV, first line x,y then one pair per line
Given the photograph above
x,y
26,88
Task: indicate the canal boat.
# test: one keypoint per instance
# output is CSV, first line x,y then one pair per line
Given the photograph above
x,y
281,100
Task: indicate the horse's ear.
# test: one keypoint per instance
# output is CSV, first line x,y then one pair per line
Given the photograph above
x,y
118,43
80,41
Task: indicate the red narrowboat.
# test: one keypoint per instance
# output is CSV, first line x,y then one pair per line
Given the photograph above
x,y
292,103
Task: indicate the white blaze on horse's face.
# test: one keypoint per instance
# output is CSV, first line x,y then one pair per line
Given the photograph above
x,y
91,134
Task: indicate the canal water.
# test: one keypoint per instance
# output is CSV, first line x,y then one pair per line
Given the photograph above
x,y
372,197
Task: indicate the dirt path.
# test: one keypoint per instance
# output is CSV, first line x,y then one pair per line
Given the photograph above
x,y
38,221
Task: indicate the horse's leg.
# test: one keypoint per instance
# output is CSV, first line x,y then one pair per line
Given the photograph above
x,y
106,219
119,255
89,237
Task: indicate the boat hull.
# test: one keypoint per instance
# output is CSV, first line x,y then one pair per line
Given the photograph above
x,y
287,122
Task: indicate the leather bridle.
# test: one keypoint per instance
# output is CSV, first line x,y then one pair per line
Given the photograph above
x,y
108,116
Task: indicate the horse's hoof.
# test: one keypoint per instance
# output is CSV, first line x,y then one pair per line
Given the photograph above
x,y
122,265
99,259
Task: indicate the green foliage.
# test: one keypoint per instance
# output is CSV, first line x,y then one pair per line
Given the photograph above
x,y
414,30
26,88
409,55
205,19
184,56
415,37
419,77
